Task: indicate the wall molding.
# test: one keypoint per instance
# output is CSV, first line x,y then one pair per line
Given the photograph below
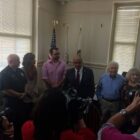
x,y
88,12
95,65
42,9
86,63
92,65
40,63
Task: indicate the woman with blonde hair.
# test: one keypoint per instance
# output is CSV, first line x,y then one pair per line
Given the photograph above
x,y
131,86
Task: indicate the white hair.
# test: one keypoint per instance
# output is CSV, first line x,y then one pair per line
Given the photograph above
x,y
11,58
131,71
114,64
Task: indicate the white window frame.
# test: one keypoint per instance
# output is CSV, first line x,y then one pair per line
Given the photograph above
x,y
33,36
115,6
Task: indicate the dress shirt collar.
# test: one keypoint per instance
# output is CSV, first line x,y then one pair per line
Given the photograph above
x,y
51,61
112,77
80,71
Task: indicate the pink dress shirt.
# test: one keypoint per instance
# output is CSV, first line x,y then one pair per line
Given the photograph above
x,y
54,72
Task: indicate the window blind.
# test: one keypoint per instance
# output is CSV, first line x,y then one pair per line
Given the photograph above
x,y
15,28
125,36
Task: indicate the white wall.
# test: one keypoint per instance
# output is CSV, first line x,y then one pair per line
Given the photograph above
x,y
95,18
46,14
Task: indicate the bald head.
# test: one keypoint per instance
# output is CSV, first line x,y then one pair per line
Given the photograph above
x,y
13,61
77,61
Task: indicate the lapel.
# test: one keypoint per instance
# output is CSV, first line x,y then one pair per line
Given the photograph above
x,y
73,74
83,76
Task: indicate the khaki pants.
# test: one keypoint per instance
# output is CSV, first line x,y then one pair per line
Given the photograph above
x,y
108,109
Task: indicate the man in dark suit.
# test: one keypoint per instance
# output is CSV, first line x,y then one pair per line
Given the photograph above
x,y
80,78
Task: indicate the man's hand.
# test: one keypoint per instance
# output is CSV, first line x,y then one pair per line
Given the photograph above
x,y
8,127
21,95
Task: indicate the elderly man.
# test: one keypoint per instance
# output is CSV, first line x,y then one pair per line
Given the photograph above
x,y
53,70
108,91
80,78
12,84
11,76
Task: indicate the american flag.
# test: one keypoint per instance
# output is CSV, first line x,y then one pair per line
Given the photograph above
x,y
79,42
53,42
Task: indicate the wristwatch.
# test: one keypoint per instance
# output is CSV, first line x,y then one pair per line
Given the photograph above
x,y
124,112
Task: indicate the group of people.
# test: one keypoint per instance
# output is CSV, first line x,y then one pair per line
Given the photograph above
x,y
119,98
55,75
57,117
18,86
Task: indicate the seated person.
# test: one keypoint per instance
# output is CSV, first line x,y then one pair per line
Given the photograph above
x,y
50,121
111,130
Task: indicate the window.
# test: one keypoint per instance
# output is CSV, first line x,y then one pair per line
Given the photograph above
x,y
15,28
125,35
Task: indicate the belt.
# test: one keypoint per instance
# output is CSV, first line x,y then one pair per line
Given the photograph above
x,y
111,100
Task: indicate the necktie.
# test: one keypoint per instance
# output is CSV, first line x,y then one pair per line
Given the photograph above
x,y
78,77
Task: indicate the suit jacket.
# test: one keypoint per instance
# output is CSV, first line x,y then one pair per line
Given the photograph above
x,y
86,85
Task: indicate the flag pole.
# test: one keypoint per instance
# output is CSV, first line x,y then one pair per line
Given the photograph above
x,y
79,42
66,57
55,22
53,40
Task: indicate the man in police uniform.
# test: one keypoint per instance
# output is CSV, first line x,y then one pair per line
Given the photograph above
x,y
12,83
